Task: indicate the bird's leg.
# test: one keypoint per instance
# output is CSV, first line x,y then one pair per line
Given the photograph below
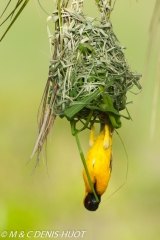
x,y
107,137
91,138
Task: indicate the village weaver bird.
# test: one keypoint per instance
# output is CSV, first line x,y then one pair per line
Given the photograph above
x,y
98,161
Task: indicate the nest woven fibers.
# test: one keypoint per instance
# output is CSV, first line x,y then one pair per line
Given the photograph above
x,y
91,72
88,75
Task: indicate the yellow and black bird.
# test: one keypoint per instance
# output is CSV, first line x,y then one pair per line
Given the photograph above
x,y
98,161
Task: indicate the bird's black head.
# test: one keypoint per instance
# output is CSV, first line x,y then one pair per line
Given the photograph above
x,y
90,202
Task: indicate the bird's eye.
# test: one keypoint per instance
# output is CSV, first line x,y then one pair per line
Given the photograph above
x,y
90,202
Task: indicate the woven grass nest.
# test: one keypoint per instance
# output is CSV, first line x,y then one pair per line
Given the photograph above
x,y
88,75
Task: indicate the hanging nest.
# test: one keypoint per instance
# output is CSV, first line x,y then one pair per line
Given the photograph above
x,y
88,74
91,62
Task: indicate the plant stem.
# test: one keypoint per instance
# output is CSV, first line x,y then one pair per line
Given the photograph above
x,y
85,167
60,24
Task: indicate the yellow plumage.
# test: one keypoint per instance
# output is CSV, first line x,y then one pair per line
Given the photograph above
x,y
98,161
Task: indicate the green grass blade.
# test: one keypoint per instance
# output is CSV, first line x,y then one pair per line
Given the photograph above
x,y
14,19
5,8
129,116
85,166
12,13
73,124
70,112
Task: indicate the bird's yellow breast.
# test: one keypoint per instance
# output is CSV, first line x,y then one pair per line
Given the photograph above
x,y
98,161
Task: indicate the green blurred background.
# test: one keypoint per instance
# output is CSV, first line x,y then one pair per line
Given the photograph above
x,y
55,202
